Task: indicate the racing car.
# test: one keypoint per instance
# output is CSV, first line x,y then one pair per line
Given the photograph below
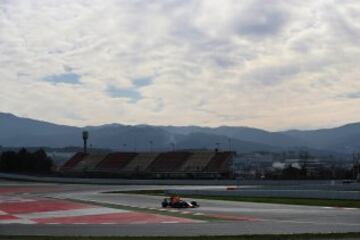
x,y
176,202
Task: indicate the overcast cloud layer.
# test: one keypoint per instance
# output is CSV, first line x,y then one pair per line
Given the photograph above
x,y
268,64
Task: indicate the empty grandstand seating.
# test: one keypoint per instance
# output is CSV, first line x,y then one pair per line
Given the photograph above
x,y
115,161
169,162
219,162
197,161
177,164
140,163
73,161
89,162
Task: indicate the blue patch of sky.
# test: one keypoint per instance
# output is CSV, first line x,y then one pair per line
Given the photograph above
x,y
68,78
353,95
142,82
131,94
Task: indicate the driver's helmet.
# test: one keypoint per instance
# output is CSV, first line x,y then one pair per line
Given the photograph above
x,y
174,199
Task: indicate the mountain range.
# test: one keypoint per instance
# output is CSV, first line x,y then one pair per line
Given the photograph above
x,y
24,132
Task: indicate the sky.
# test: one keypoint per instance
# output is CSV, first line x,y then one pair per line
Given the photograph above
x,y
270,64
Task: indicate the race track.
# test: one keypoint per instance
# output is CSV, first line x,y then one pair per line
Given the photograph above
x,y
70,209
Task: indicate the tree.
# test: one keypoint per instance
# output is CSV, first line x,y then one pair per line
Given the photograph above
x,y
25,161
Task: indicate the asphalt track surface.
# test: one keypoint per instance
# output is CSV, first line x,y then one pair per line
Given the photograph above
x,y
57,214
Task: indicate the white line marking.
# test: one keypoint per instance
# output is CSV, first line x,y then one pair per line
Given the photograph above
x,y
173,210
185,212
305,222
20,221
139,222
169,222
71,213
15,200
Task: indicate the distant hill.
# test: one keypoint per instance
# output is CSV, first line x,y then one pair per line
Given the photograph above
x,y
243,133
200,140
342,139
18,132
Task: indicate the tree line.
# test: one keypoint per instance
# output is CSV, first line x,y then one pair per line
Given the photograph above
x,y
25,161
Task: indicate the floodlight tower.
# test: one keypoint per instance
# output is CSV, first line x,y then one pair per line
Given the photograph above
x,y
85,136
358,168
173,146
151,145
217,147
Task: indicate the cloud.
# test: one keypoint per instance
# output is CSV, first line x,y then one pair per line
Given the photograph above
x,y
260,19
68,68
269,64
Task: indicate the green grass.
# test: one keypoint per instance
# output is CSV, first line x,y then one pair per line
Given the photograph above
x,y
275,200
249,237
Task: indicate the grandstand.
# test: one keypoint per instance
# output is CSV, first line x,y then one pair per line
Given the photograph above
x,y
218,162
169,162
114,162
175,164
73,161
197,161
140,163
89,163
